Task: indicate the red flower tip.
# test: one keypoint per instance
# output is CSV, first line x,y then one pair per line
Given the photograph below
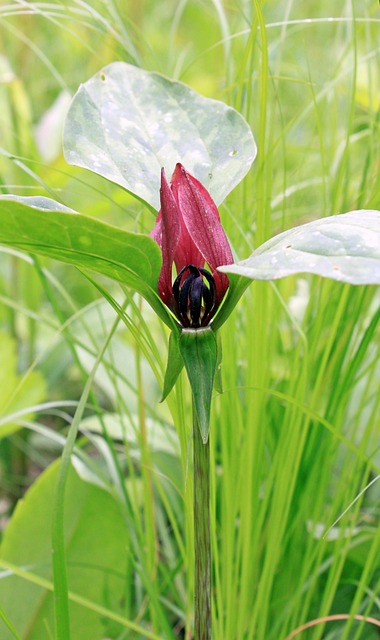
x,y
190,235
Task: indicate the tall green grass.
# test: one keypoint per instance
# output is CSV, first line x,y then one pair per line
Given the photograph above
x,y
294,436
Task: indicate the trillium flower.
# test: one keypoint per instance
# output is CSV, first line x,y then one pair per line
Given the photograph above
x,y
191,237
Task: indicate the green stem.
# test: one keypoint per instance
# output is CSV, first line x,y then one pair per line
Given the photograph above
x,y
202,542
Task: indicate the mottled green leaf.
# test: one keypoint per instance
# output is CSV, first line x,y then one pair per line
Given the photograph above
x,y
126,123
45,227
344,247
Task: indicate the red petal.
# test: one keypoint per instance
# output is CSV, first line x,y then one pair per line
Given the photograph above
x,y
187,252
156,233
201,218
167,234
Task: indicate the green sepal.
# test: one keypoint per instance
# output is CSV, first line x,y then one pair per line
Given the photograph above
x,y
199,351
237,286
174,365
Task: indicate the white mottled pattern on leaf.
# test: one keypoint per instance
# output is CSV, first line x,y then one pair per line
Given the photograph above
x,y
345,247
126,124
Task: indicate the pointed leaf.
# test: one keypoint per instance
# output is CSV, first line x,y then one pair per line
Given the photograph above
x,y
126,123
345,247
198,348
43,226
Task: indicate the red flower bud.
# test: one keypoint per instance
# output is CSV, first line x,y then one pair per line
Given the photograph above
x,y
190,235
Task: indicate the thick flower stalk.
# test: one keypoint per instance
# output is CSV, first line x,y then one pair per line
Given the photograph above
x,y
190,235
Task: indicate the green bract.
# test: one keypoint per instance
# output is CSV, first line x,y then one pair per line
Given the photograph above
x,y
126,124
345,247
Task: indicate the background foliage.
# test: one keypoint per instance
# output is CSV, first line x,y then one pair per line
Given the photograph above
x,y
295,433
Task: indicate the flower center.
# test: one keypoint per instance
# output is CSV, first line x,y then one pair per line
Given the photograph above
x,y
194,291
